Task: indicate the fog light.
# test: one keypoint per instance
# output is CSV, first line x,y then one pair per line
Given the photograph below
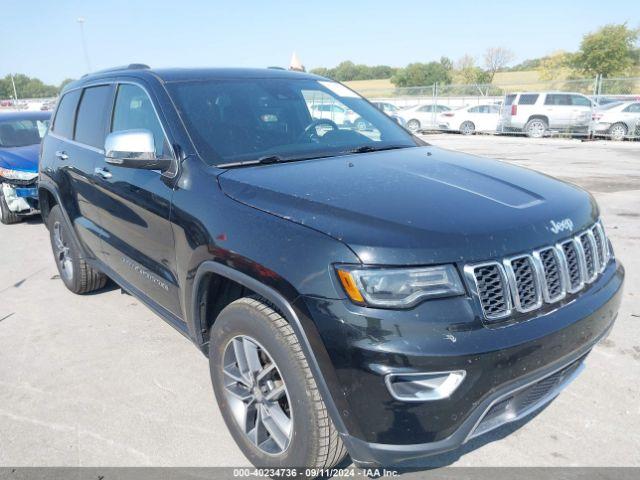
x,y
424,387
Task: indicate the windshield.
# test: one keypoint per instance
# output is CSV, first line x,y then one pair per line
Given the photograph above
x,y
238,120
21,133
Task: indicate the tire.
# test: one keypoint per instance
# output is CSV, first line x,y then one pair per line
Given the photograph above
x,y
7,216
75,273
467,128
413,125
617,132
536,128
306,436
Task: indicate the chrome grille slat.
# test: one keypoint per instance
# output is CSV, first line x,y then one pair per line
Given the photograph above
x,y
588,245
573,263
523,283
493,290
552,278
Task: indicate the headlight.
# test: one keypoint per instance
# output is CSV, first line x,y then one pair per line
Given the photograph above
x,y
17,174
398,287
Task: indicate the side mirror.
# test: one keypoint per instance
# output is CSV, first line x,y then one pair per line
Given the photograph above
x,y
134,149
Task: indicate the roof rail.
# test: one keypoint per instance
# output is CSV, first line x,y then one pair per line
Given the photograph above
x,y
131,66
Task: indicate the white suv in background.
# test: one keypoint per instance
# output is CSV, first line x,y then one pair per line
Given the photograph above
x,y
535,113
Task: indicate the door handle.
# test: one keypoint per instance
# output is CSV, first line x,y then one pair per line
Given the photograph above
x,y
103,173
62,155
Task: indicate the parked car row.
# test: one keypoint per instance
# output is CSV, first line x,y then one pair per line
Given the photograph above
x,y
534,114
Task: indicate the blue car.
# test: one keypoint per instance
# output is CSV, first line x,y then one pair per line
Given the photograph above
x,y
20,135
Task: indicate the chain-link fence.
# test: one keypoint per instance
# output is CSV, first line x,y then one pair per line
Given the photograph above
x,y
594,107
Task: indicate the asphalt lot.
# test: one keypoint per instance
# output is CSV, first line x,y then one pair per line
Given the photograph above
x,y
100,380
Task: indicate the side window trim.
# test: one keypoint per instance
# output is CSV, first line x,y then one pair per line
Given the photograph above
x,y
173,171
153,105
75,115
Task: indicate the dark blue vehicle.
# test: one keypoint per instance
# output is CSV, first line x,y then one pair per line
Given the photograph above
x,y
356,291
20,136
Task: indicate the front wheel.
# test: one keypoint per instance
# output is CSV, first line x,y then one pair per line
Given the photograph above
x,y
266,391
467,128
618,131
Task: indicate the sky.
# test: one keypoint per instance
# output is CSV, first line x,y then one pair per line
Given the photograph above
x,y
42,38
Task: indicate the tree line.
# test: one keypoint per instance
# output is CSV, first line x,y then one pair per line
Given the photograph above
x,y
610,51
28,87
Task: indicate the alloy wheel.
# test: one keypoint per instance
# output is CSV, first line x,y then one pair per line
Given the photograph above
x,y
257,395
618,132
62,252
413,125
467,128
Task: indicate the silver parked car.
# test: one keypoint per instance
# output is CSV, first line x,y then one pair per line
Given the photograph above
x,y
617,120
536,113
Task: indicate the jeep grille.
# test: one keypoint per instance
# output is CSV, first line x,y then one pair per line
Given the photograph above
x,y
523,283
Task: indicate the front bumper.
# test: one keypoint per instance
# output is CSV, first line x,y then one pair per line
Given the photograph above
x,y
22,200
366,344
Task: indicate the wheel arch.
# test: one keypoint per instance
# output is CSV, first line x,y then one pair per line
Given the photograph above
x,y
279,303
46,200
538,117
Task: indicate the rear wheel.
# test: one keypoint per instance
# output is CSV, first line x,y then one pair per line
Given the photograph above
x,y
266,391
618,131
536,128
413,125
7,216
467,128
75,273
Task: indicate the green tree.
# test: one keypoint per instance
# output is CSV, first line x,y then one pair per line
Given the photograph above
x,y
347,71
552,66
65,82
609,51
422,74
26,87
466,72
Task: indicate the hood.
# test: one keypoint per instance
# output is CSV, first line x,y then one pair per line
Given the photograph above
x,y
20,158
418,205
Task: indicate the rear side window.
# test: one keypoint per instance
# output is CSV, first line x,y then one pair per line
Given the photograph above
x,y
508,100
92,116
134,110
580,101
557,99
65,114
528,99
633,108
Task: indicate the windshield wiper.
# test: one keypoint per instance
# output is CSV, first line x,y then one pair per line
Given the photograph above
x,y
372,148
266,160
269,159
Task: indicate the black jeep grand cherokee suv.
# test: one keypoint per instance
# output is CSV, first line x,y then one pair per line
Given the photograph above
x,y
355,289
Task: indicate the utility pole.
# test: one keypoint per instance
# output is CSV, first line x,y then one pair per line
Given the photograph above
x,y
15,92
81,21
